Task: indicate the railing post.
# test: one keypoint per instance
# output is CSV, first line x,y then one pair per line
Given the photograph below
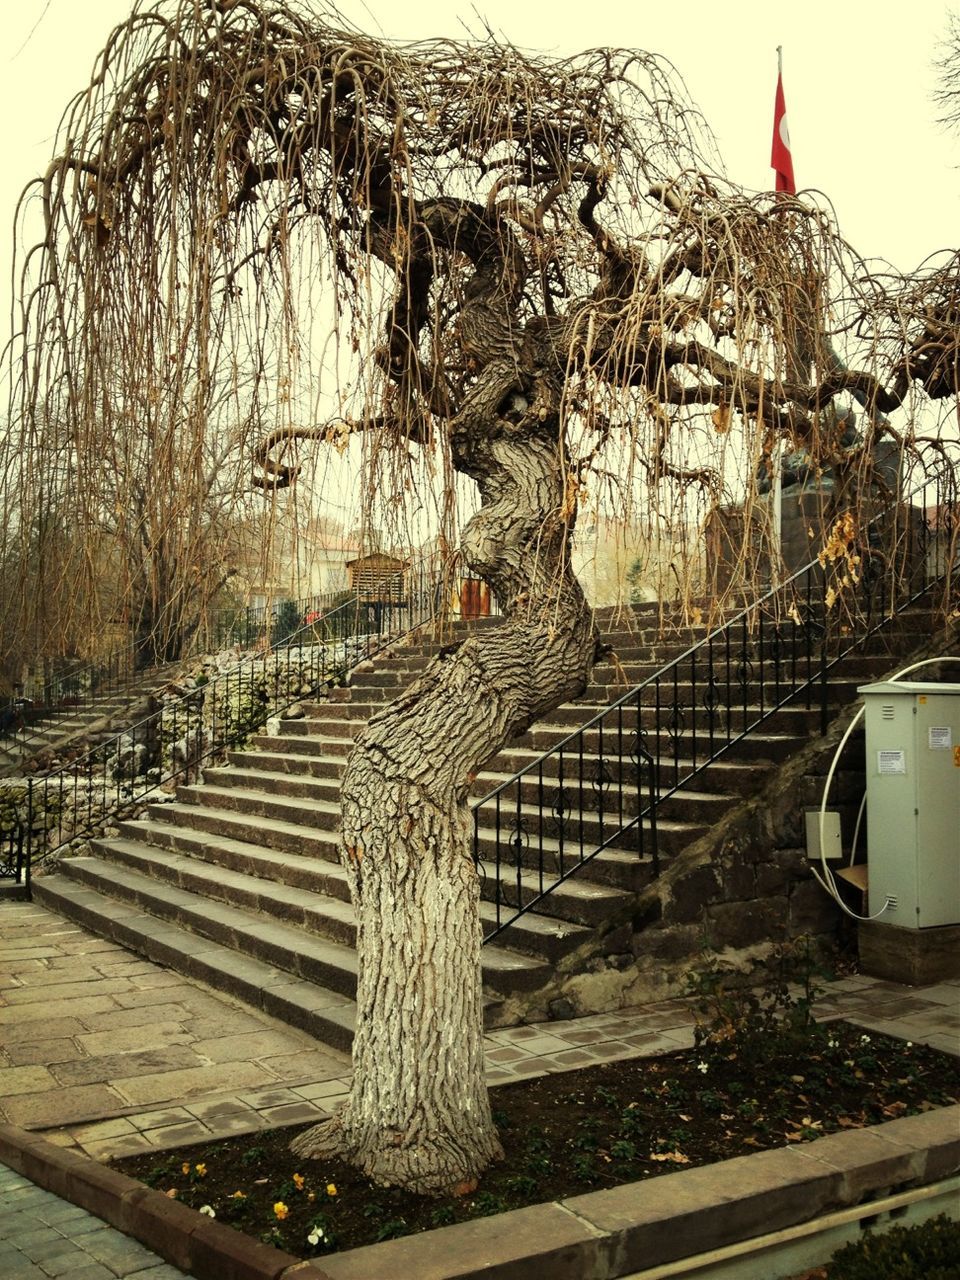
x,y
28,844
824,637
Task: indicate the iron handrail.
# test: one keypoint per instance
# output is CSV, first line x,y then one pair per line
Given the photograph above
x,y
179,737
113,674
247,625
816,658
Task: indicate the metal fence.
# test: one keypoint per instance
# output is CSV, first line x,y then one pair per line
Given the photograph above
x,y
65,693
183,734
603,786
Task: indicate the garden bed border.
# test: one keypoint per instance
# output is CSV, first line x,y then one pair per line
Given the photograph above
x,y
599,1235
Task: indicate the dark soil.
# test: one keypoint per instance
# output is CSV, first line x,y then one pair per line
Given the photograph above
x,y
740,1091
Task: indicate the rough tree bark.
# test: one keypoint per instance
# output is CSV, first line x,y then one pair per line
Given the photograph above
x,y
418,1113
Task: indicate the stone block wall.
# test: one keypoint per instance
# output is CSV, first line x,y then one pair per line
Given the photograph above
x,y
745,886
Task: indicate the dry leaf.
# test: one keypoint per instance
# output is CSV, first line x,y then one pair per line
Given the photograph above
x,y
721,419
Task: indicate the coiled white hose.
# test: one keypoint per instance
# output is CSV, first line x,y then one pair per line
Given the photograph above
x,y
827,880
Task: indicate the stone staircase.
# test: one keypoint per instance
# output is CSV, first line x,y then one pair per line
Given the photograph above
x,y
237,882
87,724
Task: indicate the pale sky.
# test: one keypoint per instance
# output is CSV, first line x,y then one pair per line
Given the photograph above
x,y
858,80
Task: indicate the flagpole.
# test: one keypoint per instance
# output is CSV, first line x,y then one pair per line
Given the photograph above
x,y
776,466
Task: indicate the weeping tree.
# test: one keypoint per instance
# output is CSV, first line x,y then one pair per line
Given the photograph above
x,y
521,278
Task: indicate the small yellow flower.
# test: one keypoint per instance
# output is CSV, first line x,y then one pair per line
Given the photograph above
x,y
331,1189
185,1167
298,1181
280,1210
201,1170
172,1193
239,1195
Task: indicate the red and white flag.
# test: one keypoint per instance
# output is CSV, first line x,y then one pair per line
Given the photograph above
x,y
780,156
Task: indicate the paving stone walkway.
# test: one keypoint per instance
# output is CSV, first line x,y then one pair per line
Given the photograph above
x,y
43,1237
113,1055
98,1045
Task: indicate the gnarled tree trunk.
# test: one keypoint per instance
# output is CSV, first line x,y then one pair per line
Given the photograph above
x,y
418,1113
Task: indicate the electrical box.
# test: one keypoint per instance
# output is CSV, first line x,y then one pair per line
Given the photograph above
x,y
913,802
831,846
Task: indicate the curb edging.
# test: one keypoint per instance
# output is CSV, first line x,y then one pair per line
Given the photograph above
x,y
189,1240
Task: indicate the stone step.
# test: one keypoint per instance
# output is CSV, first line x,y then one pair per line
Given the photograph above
x,y
327,1015
291,836
725,781
688,806
334,727
276,783
725,775
285,758
584,832
282,835
285,941
580,789
621,870
248,932
250,858
345,719
681,816
757,745
309,893
300,742
262,804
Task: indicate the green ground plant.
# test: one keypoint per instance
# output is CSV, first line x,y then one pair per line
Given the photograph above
x,y
928,1251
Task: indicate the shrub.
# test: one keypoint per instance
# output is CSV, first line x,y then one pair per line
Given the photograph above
x,y
929,1251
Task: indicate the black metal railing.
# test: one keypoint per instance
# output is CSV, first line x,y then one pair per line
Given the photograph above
x,y
63,694
608,784
250,625
183,734
14,862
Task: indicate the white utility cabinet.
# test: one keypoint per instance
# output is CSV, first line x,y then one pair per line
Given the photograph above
x,y
913,802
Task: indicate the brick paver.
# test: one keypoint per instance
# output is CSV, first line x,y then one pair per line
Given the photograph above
x,y
43,1237
114,1055
108,1052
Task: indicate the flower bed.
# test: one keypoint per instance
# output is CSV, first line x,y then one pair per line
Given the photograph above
x,y
579,1131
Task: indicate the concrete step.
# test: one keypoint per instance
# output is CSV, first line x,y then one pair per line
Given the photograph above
x,y
282,835
308,893
328,1015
